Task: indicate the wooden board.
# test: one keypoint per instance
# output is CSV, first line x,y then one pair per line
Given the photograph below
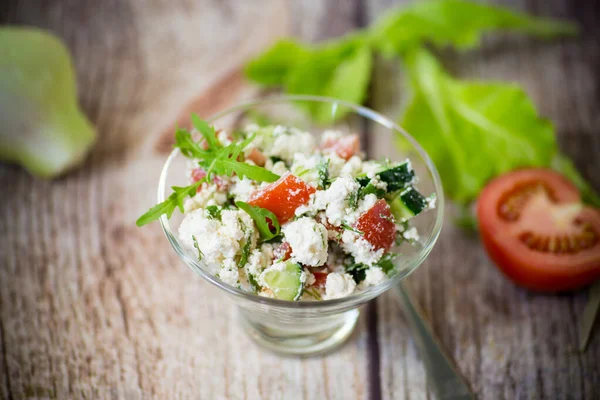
x,y
93,307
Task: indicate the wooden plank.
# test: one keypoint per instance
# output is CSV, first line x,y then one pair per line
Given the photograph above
x,y
508,342
97,308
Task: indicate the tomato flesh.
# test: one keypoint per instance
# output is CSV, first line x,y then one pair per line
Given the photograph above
x,y
283,252
283,196
536,230
345,146
199,174
377,225
320,277
257,157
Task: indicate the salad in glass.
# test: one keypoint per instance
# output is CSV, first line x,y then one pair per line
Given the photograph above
x,y
273,211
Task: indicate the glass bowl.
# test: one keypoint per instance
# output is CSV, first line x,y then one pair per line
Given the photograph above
x,y
313,327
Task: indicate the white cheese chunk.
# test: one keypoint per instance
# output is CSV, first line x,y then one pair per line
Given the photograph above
x,y
308,240
339,285
373,276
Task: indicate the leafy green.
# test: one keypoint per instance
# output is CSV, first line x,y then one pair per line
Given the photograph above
x,y
245,252
213,212
175,200
253,283
323,173
349,228
206,131
197,246
328,71
562,164
358,271
456,22
216,160
262,217
473,131
273,66
342,68
42,128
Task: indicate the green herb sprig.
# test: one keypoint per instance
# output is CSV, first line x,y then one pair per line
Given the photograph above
x,y
216,159
262,217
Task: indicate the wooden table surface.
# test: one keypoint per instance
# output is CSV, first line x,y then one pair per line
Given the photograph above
x,y
93,307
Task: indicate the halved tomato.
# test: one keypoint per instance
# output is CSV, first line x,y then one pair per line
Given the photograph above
x,y
535,228
283,196
345,146
378,225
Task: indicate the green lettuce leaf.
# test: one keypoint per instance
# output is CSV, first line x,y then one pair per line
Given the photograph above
x,y
341,70
456,22
273,66
41,125
473,131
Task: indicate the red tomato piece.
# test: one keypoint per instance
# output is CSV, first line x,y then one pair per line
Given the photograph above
x,y
199,173
283,196
345,146
377,225
257,157
320,276
283,252
536,230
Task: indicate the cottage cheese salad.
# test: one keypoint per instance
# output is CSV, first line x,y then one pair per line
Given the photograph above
x,y
274,211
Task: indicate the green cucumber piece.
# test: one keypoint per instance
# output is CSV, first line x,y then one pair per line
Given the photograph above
x,y
286,283
396,178
408,204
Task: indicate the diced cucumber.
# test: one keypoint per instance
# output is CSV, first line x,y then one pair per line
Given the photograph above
x,y
396,178
408,204
285,281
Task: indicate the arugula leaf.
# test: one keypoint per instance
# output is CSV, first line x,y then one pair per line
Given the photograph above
x,y
473,131
261,217
189,147
227,163
456,22
328,71
272,67
206,131
175,200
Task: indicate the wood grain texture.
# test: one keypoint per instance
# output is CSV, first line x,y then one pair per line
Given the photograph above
x,y
93,307
509,343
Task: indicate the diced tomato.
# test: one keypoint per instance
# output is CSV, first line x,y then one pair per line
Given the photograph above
x,y
377,225
337,230
257,157
345,146
283,196
320,276
199,173
283,252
